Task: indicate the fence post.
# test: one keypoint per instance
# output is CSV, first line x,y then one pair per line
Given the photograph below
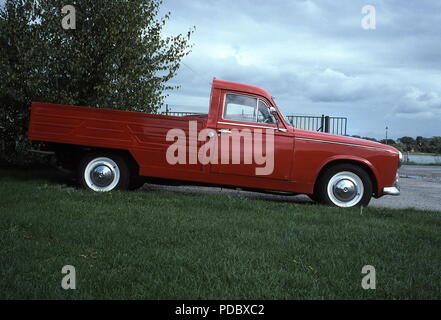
x,y
327,126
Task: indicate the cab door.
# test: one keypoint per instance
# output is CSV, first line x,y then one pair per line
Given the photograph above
x,y
249,142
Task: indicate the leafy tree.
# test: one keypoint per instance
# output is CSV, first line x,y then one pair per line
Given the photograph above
x,y
408,142
420,142
117,57
390,142
371,139
435,145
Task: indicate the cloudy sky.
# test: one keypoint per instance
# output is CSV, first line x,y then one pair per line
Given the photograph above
x,y
315,58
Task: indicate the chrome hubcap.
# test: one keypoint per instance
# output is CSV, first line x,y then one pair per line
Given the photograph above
x,y
102,176
345,189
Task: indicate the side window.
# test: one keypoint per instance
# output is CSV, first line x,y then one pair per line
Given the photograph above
x,y
240,108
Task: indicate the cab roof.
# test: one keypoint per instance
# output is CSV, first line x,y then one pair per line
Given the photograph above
x,y
242,87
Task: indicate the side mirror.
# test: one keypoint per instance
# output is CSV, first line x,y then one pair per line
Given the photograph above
x,y
273,112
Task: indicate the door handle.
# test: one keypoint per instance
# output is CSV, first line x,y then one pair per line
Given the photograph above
x,y
211,134
224,131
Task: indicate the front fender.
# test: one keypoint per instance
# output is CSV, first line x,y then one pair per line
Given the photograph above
x,y
312,156
326,163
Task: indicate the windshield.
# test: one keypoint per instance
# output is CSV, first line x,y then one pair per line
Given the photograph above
x,y
281,113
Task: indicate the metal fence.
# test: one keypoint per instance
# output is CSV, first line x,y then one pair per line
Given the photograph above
x,y
178,114
334,125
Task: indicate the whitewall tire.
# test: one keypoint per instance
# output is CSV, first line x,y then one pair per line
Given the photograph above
x,y
102,172
345,186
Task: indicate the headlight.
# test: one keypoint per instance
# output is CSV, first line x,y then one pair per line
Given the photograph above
x,y
401,159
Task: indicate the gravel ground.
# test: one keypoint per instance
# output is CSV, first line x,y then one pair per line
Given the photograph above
x,y
420,188
429,173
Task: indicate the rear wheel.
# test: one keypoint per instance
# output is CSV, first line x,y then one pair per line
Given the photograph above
x,y
345,185
103,172
136,182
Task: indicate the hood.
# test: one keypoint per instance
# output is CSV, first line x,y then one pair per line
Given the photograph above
x,y
313,135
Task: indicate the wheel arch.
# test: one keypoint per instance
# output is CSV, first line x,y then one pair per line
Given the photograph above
x,y
362,163
74,153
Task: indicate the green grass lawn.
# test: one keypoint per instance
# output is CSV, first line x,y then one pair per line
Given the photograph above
x,y
158,245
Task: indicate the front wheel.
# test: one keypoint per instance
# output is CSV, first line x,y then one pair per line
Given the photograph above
x,y
345,185
103,172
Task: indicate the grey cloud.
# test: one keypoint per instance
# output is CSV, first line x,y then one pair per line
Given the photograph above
x,y
417,103
315,58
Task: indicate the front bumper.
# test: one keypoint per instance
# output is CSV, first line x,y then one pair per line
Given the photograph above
x,y
394,190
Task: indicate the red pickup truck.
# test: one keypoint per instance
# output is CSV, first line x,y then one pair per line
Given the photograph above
x,y
243,142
